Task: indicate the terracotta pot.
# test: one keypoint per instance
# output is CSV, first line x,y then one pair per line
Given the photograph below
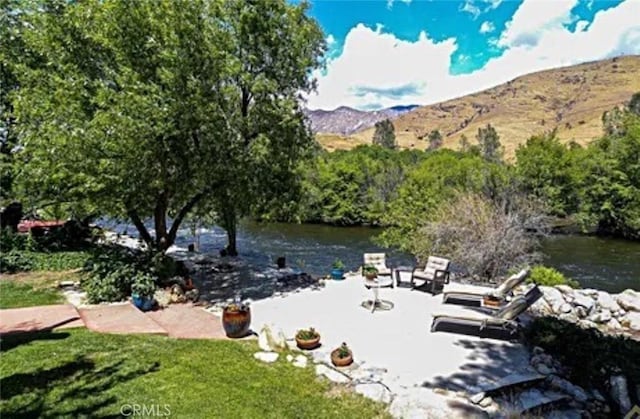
x,y
308,343
341,362
371,276
236,322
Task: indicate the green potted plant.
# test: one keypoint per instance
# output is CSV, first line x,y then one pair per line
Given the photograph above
x,y
142,290
307,338
236,319
370,272
342,356
337,271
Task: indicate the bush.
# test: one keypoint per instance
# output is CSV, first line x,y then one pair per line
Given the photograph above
x,y
14,261
541,275
112,272
12,241
590,356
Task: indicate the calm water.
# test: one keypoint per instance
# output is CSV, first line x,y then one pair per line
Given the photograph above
x,y
608,264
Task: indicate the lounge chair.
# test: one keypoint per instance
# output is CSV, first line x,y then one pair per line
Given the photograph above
x,y
504,321
434,275
379,261
475,295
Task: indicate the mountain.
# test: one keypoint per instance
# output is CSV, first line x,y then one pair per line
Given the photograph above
x,y
570,100
345,120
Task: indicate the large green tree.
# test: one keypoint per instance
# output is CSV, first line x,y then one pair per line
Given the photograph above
x,y
385,134
149,110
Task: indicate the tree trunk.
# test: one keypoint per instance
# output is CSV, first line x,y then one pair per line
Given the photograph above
x,y
230,221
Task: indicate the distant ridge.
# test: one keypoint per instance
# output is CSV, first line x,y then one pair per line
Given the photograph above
x,y
569,99
345,120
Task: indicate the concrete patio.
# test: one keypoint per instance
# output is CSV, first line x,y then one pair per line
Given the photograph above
x,y
399,342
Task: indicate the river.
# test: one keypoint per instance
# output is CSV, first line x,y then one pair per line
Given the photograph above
x,y
607,264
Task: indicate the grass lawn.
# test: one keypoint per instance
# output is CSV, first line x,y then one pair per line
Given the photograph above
x,y
32,288
78,373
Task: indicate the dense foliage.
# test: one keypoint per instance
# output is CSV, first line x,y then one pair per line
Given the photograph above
x,y
150,109
543,275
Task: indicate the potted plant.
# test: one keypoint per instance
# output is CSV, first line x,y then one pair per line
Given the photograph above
x,y
342,356
236,319
307,338
142,290
337,271
370,272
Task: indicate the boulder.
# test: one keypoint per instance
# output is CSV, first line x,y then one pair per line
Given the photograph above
x,y
375,391
619,392
614,324
587,324
581,312
300,361
569,317
631,320
565,308
565,386
553,297
629,300
544,369
583,301
267,357
541,307
607,302
565,289
603,317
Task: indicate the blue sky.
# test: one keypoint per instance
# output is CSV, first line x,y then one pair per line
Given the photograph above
x,y
389,52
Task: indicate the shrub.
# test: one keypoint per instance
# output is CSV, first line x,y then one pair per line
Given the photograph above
x,y
58,261
590,356
541,275
144,285
486,238
14,261
12,241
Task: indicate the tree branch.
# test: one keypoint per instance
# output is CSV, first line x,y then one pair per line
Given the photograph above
x,y
183,213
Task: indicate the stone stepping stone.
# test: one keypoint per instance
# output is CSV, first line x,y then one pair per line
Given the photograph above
x,y
119,319
186,321
39,319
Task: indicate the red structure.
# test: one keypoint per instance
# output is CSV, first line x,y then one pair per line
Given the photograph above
x,y
28,226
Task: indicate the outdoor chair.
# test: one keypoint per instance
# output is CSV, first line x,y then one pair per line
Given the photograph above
x,y
504,321
477,296
379,261
433,277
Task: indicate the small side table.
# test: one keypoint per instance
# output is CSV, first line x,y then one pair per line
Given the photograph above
x,y
375,285
397,275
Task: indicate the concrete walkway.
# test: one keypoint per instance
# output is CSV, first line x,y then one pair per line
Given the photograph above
x,y
177,321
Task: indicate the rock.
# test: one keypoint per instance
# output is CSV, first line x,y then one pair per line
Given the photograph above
x,y
537,350
603,317
331,374
162,297
553,297
598,396
290,358
486,402
583,300
541,307
565,289
620,393
581,312
629,300
631,320
566,387
267,357
606,301
271,338
587,324
614,324
544,369
375,391
477,398
569,317
565,308
192,295
300,361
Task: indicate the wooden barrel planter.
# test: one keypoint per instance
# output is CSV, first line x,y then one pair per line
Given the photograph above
x,y
236,320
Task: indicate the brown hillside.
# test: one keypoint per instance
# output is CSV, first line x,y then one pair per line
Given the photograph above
x,y
571,99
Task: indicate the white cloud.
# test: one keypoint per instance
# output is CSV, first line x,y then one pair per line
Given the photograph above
x,y
330,40
378,68
487,27
471,8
